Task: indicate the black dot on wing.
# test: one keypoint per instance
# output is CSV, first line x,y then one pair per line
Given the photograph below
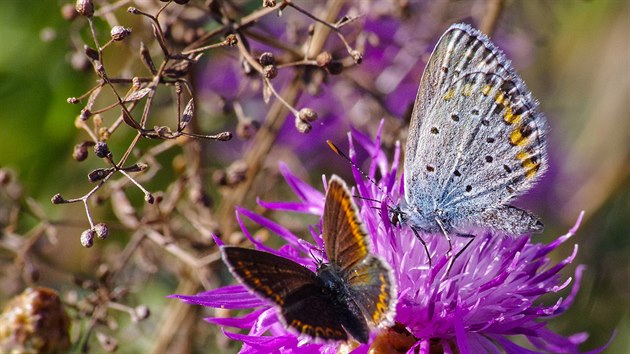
x,y
507,168
457,173
474,112
468,188
485,122
489,158
510,189
455,117
444,69
434,130
490,140
430,168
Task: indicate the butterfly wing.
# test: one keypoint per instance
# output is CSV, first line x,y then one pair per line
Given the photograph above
x,y
372,288
309,311
476,139
344,236
296,290
270,276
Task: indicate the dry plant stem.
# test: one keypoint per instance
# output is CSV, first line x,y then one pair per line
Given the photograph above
x,y
493,12
241,23
322,22
266,136
177,316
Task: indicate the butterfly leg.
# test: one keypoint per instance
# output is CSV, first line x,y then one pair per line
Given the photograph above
x,y
448,238
472,238
424,244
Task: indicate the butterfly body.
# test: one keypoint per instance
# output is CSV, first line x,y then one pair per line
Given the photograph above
x,y
351,292
476,141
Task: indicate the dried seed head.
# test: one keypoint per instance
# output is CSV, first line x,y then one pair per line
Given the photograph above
x,y
142,312
246,128
57,199
302,126
356,56
73,100
84,7
80,152
79,61
236,172
334,67
68,12
323,59
87,238
181,2
307,115
136,84
270,71
101,149
269,3
119,33
108,343
133,10
5,177
101,230
90,52
98,174
85,114
149,198
231,40
224,136
266,58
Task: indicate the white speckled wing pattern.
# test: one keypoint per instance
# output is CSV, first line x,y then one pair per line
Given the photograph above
x,y
476,140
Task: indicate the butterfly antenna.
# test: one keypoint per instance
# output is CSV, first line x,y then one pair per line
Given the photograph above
x,y
345,157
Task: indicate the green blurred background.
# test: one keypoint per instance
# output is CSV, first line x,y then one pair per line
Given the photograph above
x,y
580,72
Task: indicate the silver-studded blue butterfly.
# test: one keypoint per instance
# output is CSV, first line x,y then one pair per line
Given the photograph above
x,y
476,141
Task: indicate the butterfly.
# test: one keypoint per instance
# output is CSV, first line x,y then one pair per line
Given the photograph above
x,y
350,293
476,141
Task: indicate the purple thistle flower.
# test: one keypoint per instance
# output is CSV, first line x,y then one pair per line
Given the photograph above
x,y
490,294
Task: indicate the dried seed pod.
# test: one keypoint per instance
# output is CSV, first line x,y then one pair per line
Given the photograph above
x,y
102,230
307,115
84,7
80,152
270,71
87,238
98,174
267,58
35,322
101,149
356,56
119,33
57,199
323,59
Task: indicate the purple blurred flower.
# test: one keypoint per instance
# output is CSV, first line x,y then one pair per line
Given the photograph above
x,y
491,293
